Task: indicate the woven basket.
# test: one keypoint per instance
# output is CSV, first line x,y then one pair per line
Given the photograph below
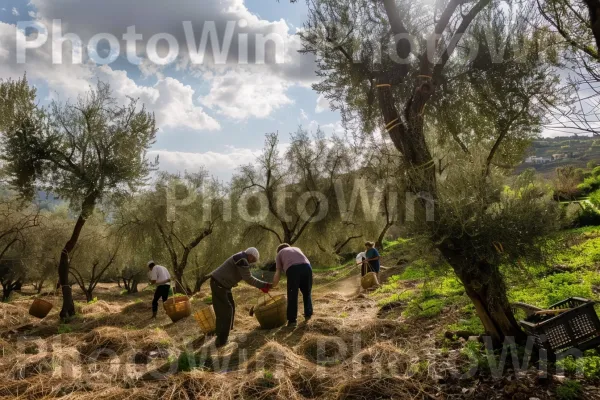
x,y
272,313
40,308
369,280
178,308
206,319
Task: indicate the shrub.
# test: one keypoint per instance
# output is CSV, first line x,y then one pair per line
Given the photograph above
x,y
595,198
588,216
589,185
570,390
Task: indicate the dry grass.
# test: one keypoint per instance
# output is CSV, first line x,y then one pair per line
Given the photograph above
x,y
6,349
275,358
100,307
114,339
326,326
194,385
381,358
106,342
266,388
374,388
311,384
12,316
324,350
377,330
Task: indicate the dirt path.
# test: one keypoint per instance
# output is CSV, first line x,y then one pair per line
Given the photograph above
x,y
346,287
350,286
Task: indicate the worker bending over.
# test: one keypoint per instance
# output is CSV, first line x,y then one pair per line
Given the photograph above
x,y
235,269
297,268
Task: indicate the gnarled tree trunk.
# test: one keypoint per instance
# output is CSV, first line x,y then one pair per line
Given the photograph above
x,y
68,306
484,284
594,8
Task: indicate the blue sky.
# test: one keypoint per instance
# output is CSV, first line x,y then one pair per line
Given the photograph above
x,y
211,114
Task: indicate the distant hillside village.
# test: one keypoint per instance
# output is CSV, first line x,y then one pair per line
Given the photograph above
x,y
546,154
554,157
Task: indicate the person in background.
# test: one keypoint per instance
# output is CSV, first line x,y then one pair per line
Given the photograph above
x,y
372,258
297,268
360,260
235,269
160,277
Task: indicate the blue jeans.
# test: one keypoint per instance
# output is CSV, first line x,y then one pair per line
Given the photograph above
x,y
299,278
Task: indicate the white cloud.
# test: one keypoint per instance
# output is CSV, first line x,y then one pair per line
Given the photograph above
x,y
175,107
163,17
335,128
247,91
32,14
171,100
15,12
222,165
322,104
243,93
303,115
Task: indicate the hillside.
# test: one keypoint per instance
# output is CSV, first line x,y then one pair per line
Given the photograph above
x,y
579,151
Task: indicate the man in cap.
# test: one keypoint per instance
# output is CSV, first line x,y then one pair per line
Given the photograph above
x,y
160,277
235,269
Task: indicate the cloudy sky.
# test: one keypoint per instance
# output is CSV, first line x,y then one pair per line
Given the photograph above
x,y
212,108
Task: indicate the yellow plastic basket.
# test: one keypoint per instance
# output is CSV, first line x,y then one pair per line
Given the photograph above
x,y
369,280
272,313
206,319
178,308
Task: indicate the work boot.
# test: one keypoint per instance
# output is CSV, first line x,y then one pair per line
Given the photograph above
x,y
292,324
220,342
154,315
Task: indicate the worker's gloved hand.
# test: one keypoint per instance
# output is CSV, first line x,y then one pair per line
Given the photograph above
x,y
266,288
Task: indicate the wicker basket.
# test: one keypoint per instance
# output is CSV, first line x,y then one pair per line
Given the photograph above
x,y
40,308
272,313
206,319
578,327
369,280
178,308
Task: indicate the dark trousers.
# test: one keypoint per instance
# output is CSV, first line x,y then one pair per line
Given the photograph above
x,y
224,307
161,291
365,268
299,278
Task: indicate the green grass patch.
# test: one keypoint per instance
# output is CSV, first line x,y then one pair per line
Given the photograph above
x,y
64,328
569,390
554,288
470,324
404,296
588,365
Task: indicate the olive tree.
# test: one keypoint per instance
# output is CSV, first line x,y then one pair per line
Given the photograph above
x,y
178,214
398,66
86,152
578,24
17,220
293,186
95,253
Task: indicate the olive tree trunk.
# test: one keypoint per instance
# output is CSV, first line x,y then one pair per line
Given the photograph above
x,y
485,286
68,306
